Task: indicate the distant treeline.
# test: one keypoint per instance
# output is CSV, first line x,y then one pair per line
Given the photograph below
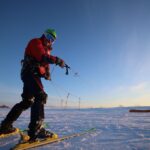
x,y
4,106
138,110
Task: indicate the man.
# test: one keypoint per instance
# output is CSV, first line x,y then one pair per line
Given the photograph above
x,y
35,65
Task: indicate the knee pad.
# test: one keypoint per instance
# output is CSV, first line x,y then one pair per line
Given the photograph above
x,y
42,97
26,103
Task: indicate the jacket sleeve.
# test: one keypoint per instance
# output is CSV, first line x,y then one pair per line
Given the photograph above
x,y
53,60
49,59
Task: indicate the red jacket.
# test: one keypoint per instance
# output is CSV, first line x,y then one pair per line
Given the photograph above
x,y
40,53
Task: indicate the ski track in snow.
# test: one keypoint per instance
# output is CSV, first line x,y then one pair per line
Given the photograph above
x,y
116,129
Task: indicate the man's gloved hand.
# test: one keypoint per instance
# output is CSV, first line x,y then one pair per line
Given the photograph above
x,y
60,62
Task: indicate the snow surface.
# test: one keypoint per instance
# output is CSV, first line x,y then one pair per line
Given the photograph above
x,y
117,129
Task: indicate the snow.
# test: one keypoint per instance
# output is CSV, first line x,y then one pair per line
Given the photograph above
x,y
116,129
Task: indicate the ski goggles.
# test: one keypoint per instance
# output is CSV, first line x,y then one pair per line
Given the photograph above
x,y
49,37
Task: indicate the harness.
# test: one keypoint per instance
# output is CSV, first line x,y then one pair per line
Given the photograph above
x,y
30,65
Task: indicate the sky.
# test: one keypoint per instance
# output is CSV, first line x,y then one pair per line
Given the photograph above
x,y
105,42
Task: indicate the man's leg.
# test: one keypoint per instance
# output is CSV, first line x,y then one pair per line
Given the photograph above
x,y
6,124
37,115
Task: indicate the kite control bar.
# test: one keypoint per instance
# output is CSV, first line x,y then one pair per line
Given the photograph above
x,y
67,69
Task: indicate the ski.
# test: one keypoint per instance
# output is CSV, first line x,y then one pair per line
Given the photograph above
x,y
17,131
41,142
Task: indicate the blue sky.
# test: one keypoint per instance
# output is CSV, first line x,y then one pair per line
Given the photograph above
x,y
105,41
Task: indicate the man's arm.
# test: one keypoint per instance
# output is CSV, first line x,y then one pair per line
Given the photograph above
x,y
53,60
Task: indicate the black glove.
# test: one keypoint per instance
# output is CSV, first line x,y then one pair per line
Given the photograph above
x,y
60,62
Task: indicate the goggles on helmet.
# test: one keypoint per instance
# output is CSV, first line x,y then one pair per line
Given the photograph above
x,y
49,37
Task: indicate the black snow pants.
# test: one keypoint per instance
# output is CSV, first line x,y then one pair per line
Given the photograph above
x,y
33,96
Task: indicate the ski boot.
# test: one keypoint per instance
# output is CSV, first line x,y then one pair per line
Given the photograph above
x,y
6,129
46,134
42,134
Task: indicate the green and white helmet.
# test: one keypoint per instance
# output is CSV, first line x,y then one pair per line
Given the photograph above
x,y
50,34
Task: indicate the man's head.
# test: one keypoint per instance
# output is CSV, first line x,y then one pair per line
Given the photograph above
x,y
50,35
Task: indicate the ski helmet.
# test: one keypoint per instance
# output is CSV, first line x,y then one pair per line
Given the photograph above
x,y
50,34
